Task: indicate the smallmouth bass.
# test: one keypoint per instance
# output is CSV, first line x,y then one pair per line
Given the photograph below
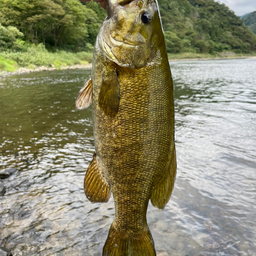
x,y
131,92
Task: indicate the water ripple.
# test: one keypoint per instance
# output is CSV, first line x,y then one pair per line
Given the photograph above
x,y
212,210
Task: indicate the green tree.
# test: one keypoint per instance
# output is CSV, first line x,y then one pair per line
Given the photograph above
x,y
253,28
189,25
94,20
250,21
173,42
49,21
8,37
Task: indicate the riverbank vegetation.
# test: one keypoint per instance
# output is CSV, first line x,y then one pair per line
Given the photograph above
x,y
62,32
47,32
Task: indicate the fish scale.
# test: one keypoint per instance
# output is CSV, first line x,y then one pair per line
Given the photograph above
x,y
133,122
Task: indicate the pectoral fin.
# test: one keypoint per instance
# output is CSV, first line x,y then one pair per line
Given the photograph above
x,y
96,187
84,98
109,97
163,188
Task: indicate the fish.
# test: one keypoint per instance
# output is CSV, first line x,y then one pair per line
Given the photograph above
x,y
131,93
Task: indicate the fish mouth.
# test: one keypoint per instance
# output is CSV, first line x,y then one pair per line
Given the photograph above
x,y
122,38
128,39
108,50
123,54
116,42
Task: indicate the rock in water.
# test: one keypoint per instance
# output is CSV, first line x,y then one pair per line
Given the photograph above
x,y
7,173
5,252
2,191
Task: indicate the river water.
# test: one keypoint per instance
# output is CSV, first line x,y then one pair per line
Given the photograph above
x,y
213,207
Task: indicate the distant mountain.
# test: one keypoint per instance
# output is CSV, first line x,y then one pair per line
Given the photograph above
x,y
244,15
204,26
250,21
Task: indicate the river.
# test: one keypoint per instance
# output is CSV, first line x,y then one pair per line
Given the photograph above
x,y
213,207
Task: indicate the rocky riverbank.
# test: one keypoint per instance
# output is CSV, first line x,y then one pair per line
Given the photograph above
x,y
215,58
22,71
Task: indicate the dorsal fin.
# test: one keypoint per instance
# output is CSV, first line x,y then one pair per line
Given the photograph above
x,y
84,98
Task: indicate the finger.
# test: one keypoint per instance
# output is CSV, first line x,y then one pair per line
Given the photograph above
x,y
104,4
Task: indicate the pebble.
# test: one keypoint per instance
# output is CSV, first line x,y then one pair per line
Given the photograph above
x,y
7,173
5,252
21,71
162,254
2,191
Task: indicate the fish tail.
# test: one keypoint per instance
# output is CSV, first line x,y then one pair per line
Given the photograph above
x,y
129,243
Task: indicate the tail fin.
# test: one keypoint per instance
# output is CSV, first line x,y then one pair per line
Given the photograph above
x,y
129,243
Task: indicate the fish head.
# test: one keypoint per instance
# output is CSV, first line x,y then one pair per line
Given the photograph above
x,y
130,33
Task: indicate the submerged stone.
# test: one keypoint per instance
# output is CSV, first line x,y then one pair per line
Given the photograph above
x,y
2,191
5,252
7,173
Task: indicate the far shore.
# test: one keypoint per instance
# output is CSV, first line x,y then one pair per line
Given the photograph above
x,y
22,70
214,58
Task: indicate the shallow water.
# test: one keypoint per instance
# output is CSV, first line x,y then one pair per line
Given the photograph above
x,y
213,207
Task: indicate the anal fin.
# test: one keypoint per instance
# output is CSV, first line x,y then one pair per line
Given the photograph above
x,y
163,189
96,187
84,98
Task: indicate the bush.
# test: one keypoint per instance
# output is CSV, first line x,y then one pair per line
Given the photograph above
x,y
173,42
39,56
8,37
7,65
202,46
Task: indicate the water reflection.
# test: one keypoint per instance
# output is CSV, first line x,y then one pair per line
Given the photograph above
x,y
212,210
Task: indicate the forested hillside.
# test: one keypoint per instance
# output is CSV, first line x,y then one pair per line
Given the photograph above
x,y
195,26
58,23
204,26
250,21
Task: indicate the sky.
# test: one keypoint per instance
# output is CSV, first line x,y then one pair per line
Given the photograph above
x,y
240,7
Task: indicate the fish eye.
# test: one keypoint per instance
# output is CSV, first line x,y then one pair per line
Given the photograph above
x,y
146,17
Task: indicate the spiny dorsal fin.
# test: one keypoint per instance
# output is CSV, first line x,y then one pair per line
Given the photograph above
x,y
96,187
109,97
84,98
